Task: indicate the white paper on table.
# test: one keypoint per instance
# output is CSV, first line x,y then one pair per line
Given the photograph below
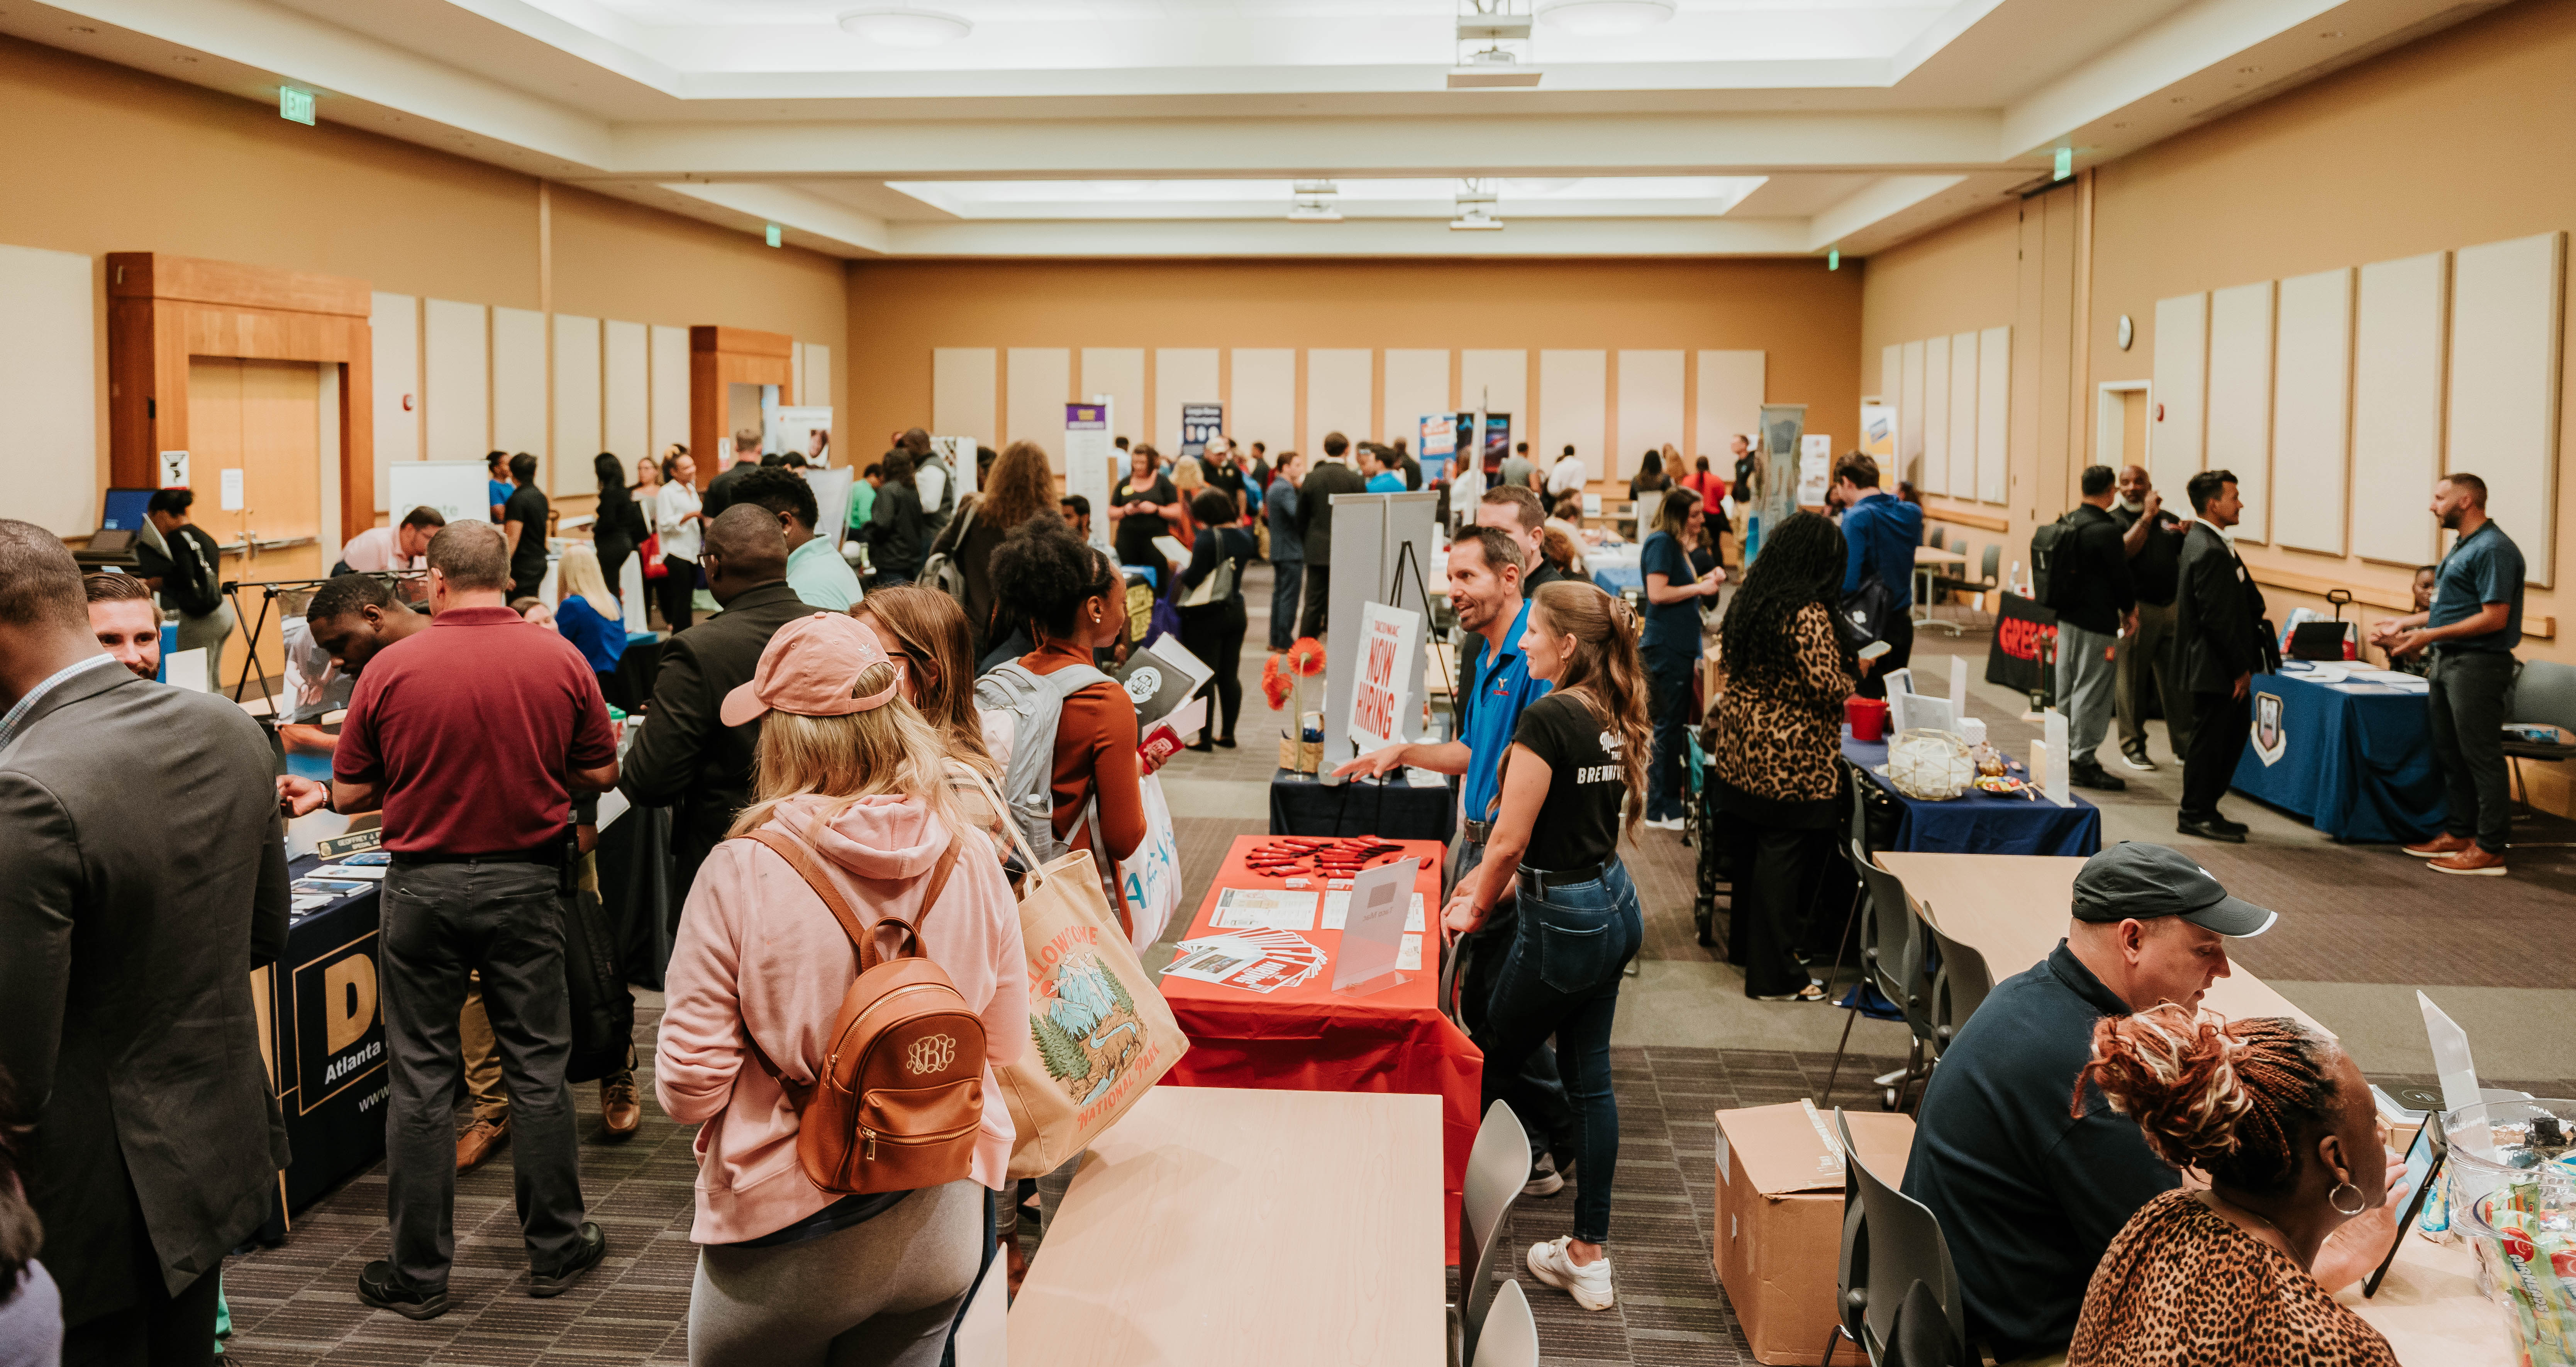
x,y
2053,729
308,901
1214,960
1410,955
1958,688
375,872
1337,908
1264,909
2459,1072
1373,929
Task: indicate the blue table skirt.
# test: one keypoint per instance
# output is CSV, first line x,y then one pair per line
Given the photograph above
x,y
2357,764
1616,579
1981,823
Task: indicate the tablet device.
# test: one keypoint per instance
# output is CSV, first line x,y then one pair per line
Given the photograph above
x,y
2424,1160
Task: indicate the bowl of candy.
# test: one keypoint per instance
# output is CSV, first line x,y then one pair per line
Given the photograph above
x,y
2511,1188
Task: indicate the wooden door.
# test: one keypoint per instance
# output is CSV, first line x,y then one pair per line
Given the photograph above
x,y
263,418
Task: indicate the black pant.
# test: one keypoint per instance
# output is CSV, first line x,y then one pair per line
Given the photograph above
x,y
1669,701
1214,633
2467,707
1317,591
679,583
157,1329
1776,871
1285,576
2218,727
612,563
504,921
1900,650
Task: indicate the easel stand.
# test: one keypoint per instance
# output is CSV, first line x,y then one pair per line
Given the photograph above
x,y
270,591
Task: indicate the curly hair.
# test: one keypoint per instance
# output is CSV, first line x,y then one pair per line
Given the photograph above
x,y
1801,563
1041,574
2238,1100
1019,488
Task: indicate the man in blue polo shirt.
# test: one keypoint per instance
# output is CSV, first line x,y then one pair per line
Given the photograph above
x,y
1485,568
1880,533
2471,630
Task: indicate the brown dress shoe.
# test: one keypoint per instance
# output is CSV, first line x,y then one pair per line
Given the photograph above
x,y
2473,860
478,1141
2441,845
619,1112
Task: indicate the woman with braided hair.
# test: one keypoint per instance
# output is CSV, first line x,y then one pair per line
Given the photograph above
x,y
2279,1118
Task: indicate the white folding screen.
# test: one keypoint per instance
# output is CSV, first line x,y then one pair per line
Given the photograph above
x,y
1650,410
1181,375
1340,394
519,384
1497,382
1994,412
577,394
393,322
965,394
1729,403
1417,386
1263,404
1118,372
2181,384
1038,385
2397,406
1936,416
1572,403
2312,412
1963,415
625,393
49,391
1909,414
456,378
2504,385
670,367
2240,400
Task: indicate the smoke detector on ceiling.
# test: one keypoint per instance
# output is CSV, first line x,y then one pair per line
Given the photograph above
x,y
895,26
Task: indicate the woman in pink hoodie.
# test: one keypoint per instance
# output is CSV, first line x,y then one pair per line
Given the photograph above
x,y
789,1273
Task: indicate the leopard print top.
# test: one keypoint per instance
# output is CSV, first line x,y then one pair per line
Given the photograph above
x,y
2181,1286
1783,741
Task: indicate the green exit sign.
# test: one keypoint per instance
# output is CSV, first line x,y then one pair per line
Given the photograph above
x,y
771,233
295,105
2065,162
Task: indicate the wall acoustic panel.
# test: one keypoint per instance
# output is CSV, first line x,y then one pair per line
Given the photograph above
x,y
1572,402
1994,414
1341,394
1118,372
1181,375
1909,415
625,393
394,362
670,385
1417,386
1496,382
456,373
2174,440
1963,415
50,392
2504,384
1891,372
577,400
2312,412
814,382
1039,384
1650,411
965,395
519,384
2240,401
1728,405
1263,404
2397,406
1936,416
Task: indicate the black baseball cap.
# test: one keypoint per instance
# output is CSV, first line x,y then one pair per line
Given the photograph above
x,y
2137,881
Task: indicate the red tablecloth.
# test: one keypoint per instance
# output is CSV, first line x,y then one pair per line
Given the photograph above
x,y
1305,1038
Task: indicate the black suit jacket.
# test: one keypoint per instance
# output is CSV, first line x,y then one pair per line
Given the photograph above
x,y
142,878
686,757
2218,616
1315,506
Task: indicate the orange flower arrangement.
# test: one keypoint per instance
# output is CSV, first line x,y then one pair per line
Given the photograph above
x,y
1304,660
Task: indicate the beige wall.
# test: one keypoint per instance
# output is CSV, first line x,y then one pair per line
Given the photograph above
x,y
1804,316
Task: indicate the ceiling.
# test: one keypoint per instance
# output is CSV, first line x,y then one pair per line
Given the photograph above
x,y
1180,128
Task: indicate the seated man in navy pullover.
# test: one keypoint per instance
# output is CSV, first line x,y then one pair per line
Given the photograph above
x,y
1879,536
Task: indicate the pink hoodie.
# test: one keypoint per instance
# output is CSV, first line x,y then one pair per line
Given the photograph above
x,y
758,951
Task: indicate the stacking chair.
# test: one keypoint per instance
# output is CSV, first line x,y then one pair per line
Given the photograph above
x,y
1989,576
1958,987
1702,831
1892,1241
1497,1168
1511,1333
1921,1334
1891,959
1940,535
2543,691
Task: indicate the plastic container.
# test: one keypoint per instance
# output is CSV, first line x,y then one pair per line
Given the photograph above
x,y
2518,1211
1868,718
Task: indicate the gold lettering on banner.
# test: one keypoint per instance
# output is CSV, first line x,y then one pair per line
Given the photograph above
x,y
348,1000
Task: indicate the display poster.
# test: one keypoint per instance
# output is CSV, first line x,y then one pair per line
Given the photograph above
x,y
458,489
1815,469
1200,421
174,469
1087,458
1782,425
959,452
1373,926
1439,436
2023,654
1388,638
804,429
831,502
1878,433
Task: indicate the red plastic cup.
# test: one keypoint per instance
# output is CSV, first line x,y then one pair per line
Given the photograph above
x,y
1868,718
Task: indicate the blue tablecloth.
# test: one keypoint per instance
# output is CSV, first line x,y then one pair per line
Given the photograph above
x,y
1981,823
2356,759
1617,579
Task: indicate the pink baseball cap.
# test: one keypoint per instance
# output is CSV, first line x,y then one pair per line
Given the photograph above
x,y
812,668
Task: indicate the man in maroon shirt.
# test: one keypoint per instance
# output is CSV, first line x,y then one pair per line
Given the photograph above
x,y
472,737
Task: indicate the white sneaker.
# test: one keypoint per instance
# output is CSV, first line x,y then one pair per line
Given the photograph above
x,y
1544,1180
1668,823
1589,1284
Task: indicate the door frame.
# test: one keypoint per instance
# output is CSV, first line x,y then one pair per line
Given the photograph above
x,y
721,356
2110,422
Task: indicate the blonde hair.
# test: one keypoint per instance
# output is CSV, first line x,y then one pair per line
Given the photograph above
x,y
887,750
579,576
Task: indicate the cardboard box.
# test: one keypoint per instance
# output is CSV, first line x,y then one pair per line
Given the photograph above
x,y
1779,1237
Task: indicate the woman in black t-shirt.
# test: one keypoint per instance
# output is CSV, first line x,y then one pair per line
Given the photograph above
x,y
1577,765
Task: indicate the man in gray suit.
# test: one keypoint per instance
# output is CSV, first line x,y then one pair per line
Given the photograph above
x,y
128,930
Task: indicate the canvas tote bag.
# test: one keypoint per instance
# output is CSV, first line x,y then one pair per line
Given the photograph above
x,y
1100,1032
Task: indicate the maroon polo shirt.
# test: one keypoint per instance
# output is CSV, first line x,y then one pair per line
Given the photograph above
x,y
472,726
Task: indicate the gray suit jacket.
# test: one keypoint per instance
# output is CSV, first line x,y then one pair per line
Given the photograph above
x,y
142,877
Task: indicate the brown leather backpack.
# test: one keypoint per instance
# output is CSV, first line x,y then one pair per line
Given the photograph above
x,y
900,1095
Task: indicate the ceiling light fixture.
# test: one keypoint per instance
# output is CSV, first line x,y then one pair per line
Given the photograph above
x,y
1313,202
1476,201
1504,62
895,26
1604,17
1492,69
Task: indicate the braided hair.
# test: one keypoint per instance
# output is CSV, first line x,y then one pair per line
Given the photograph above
x,y
2238,1100
1801,562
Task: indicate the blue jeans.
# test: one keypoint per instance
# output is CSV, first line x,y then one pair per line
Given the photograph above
x,y
1562,976
1668,695
1283,602
1536,1091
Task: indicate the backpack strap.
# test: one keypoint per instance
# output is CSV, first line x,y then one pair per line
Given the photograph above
x,y
801,859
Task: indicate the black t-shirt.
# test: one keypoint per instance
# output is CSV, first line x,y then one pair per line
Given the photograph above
x,y
527,507
2156,570
1227,480
1136,533
1578,826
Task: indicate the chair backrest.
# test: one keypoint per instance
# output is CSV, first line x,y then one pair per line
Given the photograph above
x,y
1959,986
1891,953
1856,834
1940,537
1921,1336
1903,1246
2545,692
1511,1334
1698,760
1497,1168
1993,563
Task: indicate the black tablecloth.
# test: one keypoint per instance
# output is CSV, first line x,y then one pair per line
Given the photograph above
x,y
1299,805
327,1041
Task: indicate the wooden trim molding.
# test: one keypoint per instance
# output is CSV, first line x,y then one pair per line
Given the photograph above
x,y
722,356
1984,522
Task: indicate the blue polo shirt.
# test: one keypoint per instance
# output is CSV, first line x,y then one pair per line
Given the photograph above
x,y
1499,686
2483,567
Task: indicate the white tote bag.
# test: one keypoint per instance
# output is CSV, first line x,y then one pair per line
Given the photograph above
x,y
1152,876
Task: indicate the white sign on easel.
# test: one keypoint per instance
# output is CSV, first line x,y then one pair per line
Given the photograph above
x,y
1087,454
1388,638
1373,928
832,488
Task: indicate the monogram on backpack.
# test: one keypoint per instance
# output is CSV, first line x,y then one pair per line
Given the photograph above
x,y
899,1099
